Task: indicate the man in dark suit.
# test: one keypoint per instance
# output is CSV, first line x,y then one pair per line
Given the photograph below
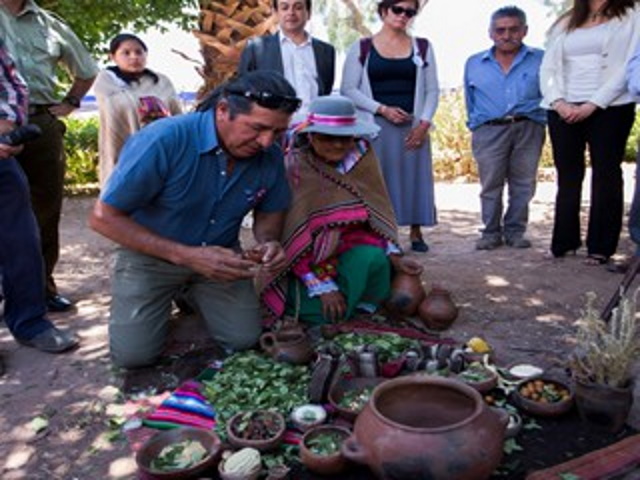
x,y
308,63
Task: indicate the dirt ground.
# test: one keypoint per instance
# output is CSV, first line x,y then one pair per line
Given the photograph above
x,y
522,302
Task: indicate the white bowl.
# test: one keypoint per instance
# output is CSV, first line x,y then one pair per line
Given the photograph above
x,y
306,416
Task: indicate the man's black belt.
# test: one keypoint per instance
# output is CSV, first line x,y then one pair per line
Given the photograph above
x,y
39,109
507,120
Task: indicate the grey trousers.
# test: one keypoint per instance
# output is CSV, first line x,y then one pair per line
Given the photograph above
x,y
507,154
142,291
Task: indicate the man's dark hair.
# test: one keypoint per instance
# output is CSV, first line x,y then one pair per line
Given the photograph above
x,y
242,91
509,12
307,2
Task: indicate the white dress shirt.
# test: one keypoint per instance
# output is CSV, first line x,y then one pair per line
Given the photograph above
x,y
299,65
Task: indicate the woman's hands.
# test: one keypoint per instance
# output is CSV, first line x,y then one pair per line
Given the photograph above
x,y
405,265
573,113
417,135
395,115
334,306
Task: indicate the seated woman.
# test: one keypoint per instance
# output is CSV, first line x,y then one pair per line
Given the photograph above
x,y
340,234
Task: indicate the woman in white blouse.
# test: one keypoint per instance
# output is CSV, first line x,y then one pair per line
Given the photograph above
x,y
583,85
129,96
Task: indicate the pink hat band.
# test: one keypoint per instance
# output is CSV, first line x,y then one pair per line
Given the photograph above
x,y
331,120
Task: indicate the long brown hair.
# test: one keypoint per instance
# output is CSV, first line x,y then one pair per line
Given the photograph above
x,y
579,13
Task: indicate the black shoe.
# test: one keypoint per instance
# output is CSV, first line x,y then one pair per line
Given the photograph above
x,y
419,245
58,303
52,340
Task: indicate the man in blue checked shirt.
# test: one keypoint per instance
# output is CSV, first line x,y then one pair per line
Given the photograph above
x,y
508,127
21,264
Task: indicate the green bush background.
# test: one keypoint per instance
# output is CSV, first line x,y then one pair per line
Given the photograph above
x,y
81,148
451,146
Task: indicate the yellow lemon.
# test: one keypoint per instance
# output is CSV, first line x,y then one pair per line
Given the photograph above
x,y
478,345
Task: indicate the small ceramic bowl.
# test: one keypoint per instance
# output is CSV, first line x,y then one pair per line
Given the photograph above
x,y
305,417
543,397
351,387
153,447
480,378
315,446
524,371
272,421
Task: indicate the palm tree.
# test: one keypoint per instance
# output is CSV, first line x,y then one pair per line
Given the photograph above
x,y
224,28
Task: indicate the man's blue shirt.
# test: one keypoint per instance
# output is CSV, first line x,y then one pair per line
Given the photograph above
x,y
491,93
171,178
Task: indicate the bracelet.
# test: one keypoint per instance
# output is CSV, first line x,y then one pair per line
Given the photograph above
x,y
72,100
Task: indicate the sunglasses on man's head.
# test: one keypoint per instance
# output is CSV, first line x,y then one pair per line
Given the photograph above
x,y
272,101
408,12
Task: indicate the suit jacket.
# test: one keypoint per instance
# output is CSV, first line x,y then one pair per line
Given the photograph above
x,y
263,53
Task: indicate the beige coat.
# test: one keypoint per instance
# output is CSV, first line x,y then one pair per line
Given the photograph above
x,y
118,107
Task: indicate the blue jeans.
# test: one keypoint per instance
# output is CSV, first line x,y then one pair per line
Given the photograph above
x,y
20,256
507,154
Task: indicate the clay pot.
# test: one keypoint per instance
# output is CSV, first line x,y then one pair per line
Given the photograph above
x,y
330,464
420,426
154,446
288,346
347,386
406,294
603,406
437,310
260,444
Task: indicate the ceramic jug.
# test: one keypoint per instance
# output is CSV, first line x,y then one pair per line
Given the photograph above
x,y
288,346
406,293
437,310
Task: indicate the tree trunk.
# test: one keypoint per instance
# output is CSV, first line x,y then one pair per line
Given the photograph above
x,y
224,28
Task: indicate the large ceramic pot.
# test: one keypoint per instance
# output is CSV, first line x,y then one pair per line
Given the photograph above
x,y
603,406
425,427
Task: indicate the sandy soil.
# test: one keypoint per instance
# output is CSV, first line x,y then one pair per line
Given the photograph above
x,y
523,303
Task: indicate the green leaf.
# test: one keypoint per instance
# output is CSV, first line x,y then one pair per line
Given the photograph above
x,y
569,476
510,446
38,424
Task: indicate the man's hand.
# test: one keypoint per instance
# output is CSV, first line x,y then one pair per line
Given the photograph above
x,y
219,263
8,151
334,306
274,259
61,109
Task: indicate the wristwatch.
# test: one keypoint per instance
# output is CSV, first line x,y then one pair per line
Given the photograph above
x,y
72,100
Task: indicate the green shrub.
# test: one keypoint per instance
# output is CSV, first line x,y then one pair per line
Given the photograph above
x,y
81,148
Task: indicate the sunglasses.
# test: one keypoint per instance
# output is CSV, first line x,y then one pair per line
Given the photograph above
x,y
272,101
407,12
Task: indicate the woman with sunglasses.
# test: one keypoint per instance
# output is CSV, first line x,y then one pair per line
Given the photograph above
x,y
340,234
582,80
392,78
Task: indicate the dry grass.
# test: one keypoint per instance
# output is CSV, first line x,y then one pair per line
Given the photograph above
x,y
606,352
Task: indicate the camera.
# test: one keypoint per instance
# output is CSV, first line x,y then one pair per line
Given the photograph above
x,y
21,135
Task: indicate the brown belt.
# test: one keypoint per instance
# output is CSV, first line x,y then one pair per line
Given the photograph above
x,y
507,120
